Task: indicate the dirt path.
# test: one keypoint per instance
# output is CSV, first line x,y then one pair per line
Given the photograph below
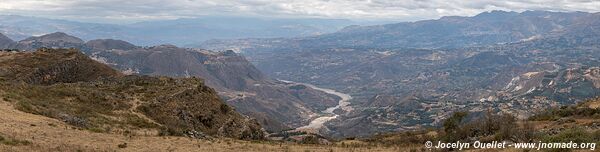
x,y
134,105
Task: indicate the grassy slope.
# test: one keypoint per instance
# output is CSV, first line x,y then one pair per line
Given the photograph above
x,y
47,134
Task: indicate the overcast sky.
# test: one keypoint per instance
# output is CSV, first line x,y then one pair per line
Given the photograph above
x,y
127,11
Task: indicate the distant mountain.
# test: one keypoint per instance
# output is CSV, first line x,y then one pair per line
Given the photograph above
x,y
58,40
447,32
178,32
5,42
196,30
110,44
276,105
21,27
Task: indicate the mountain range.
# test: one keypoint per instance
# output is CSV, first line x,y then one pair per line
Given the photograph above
x,y
487,28
414,74
401,76
177,32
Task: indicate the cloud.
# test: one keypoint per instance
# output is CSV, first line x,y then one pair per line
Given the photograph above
x,y
137,10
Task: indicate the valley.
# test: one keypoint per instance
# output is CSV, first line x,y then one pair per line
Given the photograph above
x,y
327,115
247,82
406,75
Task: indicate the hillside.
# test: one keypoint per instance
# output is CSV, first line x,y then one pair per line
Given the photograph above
x,y
68,86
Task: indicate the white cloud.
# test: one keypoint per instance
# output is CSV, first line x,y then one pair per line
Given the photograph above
x,y
135,10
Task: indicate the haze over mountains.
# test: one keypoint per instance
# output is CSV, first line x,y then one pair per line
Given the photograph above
x,y
401,76
447,32
177,32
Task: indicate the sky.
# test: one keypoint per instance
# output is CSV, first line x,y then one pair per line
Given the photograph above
x,y
128,11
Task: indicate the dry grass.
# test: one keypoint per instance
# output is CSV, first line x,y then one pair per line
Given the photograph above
x,y
47,134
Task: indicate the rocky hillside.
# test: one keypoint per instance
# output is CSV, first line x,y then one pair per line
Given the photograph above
x,y
67,85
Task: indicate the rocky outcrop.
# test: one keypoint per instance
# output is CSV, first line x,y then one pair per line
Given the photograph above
x,y
200,109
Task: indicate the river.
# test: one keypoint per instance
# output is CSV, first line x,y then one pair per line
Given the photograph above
x,y
328,114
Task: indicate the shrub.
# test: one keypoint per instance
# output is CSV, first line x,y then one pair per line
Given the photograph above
x,y
13,142
123,145
576,135
310,140
452,127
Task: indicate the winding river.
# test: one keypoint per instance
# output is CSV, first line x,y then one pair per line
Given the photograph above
x,y
327,114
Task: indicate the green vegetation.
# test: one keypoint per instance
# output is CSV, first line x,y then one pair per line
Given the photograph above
x,y
123,145
310,139
577,135
567,111
13,142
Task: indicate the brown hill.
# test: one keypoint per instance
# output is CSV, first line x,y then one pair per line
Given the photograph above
x,y
66,85
52,40
49,66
